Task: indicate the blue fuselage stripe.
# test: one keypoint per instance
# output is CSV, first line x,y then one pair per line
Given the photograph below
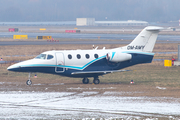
x,y
113,53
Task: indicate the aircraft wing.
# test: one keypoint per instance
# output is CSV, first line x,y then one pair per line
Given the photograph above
x,y
101,72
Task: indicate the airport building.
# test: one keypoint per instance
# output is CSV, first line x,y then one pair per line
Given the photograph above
x,y
85,21
78,22
92,22
121,23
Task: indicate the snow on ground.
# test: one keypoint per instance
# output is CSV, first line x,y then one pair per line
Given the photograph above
x,y
83,105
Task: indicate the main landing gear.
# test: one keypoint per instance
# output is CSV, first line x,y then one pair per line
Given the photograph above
x,y
95,81
85,80
29,82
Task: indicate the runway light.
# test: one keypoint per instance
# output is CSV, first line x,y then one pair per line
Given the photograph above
x,y
35,76
132,82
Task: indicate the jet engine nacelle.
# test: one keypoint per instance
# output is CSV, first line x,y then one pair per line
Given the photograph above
x,y
118,56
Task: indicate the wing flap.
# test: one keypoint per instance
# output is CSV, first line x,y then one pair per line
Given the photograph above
x,y
98,72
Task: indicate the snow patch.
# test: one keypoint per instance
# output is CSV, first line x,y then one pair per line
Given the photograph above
x,y
84,105
161,88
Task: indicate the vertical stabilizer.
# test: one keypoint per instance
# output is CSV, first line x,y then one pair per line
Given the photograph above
x,y
146,39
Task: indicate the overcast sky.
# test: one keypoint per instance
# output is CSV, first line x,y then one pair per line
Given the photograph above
x,y
69,10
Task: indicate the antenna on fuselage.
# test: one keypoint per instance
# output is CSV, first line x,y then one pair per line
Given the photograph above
x,y
93,46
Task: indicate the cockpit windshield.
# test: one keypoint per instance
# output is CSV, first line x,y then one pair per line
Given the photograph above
x,y
50,57
41,56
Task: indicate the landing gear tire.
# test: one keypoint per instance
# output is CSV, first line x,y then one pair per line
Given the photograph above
x,y
96,81
29,82
85,80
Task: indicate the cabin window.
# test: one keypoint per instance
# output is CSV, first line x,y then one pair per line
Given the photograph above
x,y
96,55
87,56
70,56
50,57
78,56
41,56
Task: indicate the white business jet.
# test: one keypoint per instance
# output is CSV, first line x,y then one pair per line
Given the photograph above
x,y
95,62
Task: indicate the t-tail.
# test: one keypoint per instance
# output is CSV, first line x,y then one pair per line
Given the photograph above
x,y
146,39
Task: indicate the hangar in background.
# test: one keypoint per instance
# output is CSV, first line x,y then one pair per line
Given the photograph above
x,y
92,22
121,23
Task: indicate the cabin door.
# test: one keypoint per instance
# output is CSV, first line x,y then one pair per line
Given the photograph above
x,y
59,62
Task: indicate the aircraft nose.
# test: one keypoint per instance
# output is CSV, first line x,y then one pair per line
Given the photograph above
x,y
9,68
13,68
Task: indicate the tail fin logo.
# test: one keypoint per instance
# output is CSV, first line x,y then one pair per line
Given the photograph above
x,y
135,47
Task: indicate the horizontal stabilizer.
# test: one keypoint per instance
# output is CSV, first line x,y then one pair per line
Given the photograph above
x,y
102,72
154,28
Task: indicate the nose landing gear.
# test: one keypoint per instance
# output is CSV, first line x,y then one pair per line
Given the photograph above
x,y
29,82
